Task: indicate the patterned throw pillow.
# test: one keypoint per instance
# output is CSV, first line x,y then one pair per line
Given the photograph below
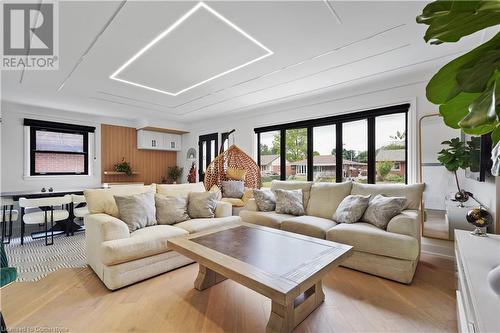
x,y
382,209
137,211
351,208
236,174
170,210
233,189
216,189
289,202
202,204
265,200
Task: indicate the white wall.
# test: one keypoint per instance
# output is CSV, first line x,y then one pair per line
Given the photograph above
x,y
404,88
13,145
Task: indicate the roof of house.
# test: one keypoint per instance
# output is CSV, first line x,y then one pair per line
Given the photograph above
x,y
268,159
392,155
326,160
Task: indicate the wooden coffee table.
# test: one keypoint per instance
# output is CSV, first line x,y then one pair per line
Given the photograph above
x,y
284,266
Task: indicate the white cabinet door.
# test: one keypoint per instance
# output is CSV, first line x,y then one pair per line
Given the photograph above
x,y
158,141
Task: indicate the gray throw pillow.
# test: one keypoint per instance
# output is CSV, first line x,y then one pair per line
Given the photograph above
x,y
233,189
137,211
265,200
289,202
382,209
351,208
202,204
170,210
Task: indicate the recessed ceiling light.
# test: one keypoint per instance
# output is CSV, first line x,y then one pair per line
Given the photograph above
x,y
200,5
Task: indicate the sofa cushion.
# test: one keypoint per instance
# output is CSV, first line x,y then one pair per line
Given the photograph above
x,y
267,219
308,225
351,209
233,188
382,209
197,225
202,204
234,202
170,210
413,193
103,201
286,185
176,190
137,210
289,202
265,199
365,237
325,198
141,243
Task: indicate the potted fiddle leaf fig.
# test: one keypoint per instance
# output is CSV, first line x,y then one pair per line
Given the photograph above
x,y
467,89
456,156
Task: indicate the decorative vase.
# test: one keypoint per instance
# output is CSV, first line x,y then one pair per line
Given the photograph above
x,y
480,218
494,279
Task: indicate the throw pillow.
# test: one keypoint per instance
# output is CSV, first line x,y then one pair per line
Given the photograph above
x,y
137,211
170,210
289,202
216,189
236,174
202,204
265,200
233,188
382,209
351,208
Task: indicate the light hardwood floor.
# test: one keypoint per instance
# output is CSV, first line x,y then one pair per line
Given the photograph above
x,y
76,300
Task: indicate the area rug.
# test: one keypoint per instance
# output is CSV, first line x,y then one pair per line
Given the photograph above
x,y
34,260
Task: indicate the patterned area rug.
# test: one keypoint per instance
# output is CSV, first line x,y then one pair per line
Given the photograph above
x,y
34,260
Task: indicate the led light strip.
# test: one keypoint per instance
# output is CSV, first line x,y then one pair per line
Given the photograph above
x,y
169,30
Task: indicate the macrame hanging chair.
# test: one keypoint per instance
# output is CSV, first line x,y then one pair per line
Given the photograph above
x,y
235,158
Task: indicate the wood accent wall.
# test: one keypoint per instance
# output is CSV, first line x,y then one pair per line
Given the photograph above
x,y
118,142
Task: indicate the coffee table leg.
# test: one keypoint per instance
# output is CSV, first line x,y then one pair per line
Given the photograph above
x,y
207,278
284,318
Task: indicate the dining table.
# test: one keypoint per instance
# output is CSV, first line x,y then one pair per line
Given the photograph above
x,y
68,226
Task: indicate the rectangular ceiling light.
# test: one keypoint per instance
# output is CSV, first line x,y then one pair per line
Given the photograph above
x,y
162,35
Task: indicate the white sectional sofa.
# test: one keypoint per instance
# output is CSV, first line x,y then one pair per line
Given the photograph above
x,y
391,253
121,258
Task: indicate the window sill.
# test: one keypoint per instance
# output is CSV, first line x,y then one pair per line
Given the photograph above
x,y
56,177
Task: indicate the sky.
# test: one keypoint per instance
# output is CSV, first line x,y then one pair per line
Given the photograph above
x,y
354,134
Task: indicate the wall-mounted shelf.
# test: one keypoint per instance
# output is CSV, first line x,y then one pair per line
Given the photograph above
x,y
163,130
117,173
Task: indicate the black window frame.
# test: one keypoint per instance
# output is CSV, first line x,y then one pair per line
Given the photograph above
x,y
338,120
38,125
206,138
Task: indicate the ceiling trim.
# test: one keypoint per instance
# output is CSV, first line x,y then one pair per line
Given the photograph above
x,y
301,62
340,83
134,99
301,77
94,41
162,35
333,11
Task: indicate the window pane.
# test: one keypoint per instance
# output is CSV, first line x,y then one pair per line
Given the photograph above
x,y
204,154
59,163
213,150
355,151
296,154
56,141
269,157
324,153
390,145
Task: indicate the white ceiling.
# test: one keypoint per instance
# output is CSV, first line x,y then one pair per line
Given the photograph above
x,y
316,45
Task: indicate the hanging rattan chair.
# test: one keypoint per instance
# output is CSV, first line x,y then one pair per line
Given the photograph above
x,y
235,158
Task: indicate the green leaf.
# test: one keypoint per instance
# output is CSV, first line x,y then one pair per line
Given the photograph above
x,y
457,109
476,77
449,21
482,111
495,135
444,85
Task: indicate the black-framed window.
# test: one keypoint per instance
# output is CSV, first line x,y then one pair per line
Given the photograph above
x,y
58,148
368,146
207,152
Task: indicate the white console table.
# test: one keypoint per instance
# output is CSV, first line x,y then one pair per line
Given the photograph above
x,y
478,307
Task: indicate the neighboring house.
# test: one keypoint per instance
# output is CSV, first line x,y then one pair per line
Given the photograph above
x,y
270,165
325,166
397,156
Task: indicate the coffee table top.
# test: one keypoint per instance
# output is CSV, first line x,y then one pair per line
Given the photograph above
x,y
274,260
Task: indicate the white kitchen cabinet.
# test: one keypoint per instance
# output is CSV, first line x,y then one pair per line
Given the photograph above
x,y
158,141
